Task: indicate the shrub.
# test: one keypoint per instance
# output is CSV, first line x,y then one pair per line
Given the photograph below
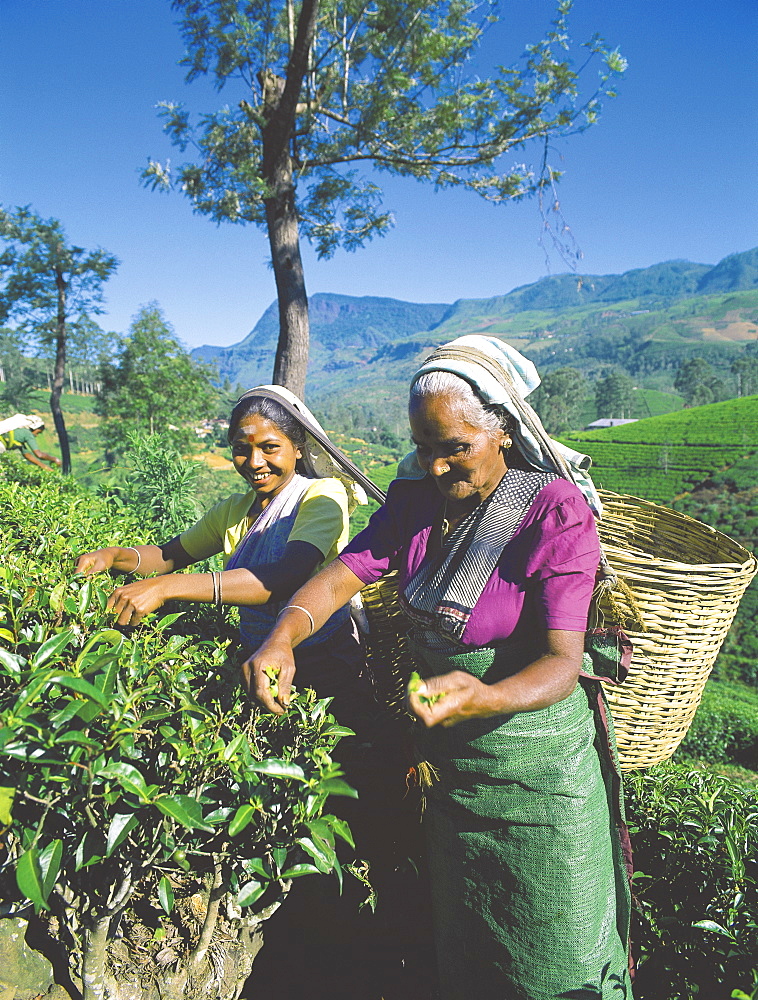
x,y
695,841
140,792
725,727
161,485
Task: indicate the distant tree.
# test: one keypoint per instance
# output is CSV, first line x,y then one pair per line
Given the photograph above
x,y
89,346
697,382
560,399
326,85
614,395
44,281
153,384
746,371
17,375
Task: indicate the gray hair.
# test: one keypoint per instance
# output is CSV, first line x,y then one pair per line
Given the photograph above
x,y
493,419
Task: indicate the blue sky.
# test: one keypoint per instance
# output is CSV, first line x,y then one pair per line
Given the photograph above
x,y
670,171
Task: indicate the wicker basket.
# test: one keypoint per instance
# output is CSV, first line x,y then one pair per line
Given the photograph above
x,y
686,581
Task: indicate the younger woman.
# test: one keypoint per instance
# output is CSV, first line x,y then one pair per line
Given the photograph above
x,y
292,520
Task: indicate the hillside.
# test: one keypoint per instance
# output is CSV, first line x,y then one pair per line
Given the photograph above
x,y
646,321
344,330
661,457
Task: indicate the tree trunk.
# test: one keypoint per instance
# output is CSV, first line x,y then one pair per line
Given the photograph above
x,y
280,97
291,363
60,374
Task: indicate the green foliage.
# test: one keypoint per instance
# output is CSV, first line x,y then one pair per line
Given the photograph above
x,y
614,394
696,381
745,370
38,264
725,727
695,841
57,516
89,345
161,486
153,384
560,399
131,765
385,83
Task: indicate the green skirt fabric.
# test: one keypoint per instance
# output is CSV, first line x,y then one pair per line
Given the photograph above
x,y
529,888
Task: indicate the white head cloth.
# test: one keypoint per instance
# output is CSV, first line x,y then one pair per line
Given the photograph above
x,y
316,461
498,373
28,420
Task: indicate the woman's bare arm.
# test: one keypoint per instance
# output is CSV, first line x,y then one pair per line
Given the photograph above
x,y
237,586
145,559
320,597
549,679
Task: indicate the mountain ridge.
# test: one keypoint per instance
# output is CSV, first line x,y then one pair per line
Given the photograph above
x,y
350,332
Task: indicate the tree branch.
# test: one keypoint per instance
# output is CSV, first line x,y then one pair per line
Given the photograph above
x,y
215,895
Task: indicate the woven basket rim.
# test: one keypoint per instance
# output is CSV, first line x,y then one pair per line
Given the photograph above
x,y
748,564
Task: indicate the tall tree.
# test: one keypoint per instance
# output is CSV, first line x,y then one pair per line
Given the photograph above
x,y
44,281
614,395
699,383
153,384
746,371
330,84
18,377
560,399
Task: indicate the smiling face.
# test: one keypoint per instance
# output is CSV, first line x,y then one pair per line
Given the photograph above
x,y
465,461
264,456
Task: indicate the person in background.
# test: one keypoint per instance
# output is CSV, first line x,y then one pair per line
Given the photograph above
x,y
490,527
23,439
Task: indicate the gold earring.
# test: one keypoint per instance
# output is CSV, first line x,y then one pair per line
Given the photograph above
x,y
506,444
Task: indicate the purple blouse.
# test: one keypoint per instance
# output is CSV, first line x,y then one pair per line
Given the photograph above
x,y
544,578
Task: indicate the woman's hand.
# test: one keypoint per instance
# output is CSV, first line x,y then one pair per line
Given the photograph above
x,y
132,602
455,697
267,675
99,561
451,698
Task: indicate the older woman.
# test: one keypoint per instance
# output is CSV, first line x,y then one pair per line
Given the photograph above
x,y
497,553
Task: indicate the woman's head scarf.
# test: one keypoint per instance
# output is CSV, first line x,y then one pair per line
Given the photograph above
x,y
320,458
500,376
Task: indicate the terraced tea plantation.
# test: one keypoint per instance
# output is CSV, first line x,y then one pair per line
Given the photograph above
x,y
661,457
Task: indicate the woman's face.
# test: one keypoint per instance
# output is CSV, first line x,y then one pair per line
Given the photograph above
x,y
465,461
263,455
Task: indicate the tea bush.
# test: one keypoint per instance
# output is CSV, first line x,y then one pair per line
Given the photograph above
x,y
695,842
660,457
725,727
139,789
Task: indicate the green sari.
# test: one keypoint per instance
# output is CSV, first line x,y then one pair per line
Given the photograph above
x,y
530,892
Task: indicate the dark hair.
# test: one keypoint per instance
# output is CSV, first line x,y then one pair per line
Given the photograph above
x,y
269,409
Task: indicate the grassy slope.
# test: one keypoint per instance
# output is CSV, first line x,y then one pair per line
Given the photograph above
x,y
659,458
